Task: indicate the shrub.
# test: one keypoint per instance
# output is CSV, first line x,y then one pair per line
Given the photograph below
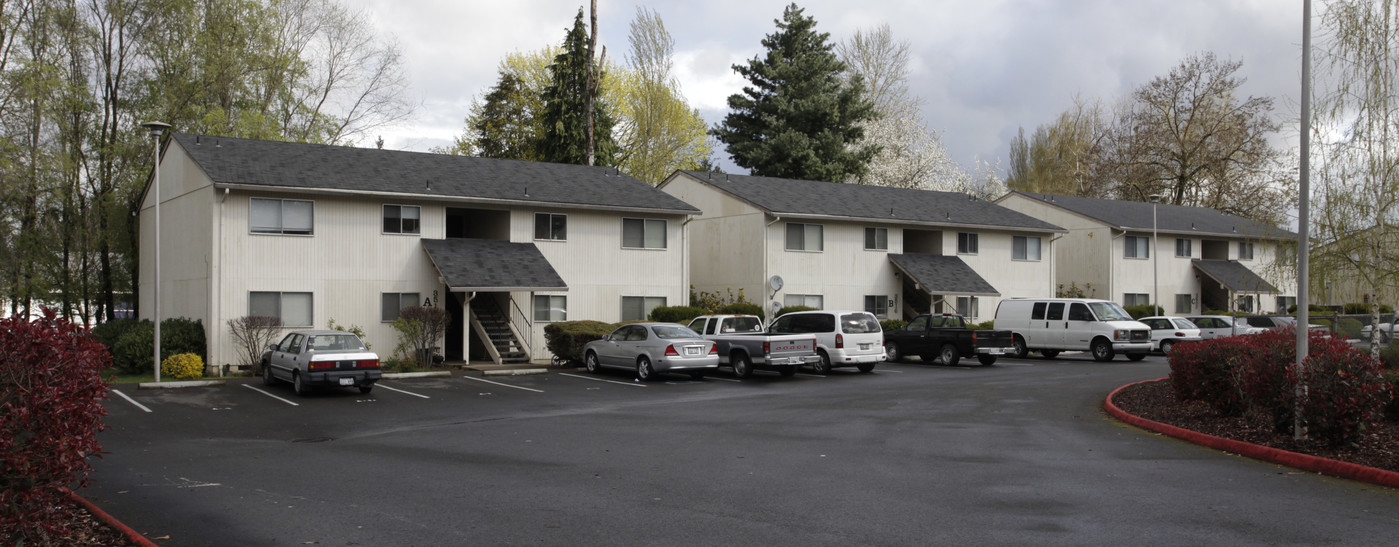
x,y
892,324
675,314
1204,371
1391,408
789,309
51,390
1347,326
713,302
353,329
1266,376
984,325
133,352
566,339
109,332
1138,312
185,366
743,308
1345,393
1389,356
182,335
419,328
252,334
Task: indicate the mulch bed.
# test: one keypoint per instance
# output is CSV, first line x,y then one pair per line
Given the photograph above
x,y
1157,401
85,529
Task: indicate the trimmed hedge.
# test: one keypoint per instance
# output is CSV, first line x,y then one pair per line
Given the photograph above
x,y
185,366
566,339
1138,312
984,325
133,351
742,308
675,314
892,324
789,309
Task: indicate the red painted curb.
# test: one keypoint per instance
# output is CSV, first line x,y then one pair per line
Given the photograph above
x,y
1305,462
131,535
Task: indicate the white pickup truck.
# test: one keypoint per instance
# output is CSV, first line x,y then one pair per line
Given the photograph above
x,y
744,345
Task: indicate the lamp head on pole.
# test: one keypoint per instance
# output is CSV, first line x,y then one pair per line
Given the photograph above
x,y
157,128
1156,198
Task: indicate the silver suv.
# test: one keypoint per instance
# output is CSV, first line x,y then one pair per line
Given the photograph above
x,y
843,338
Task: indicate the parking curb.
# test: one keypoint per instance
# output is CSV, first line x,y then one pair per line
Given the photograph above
x,y
428,374
1305,462
180,384
515,372
126,531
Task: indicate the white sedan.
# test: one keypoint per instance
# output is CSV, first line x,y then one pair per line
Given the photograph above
x,y
1387,331
1168,331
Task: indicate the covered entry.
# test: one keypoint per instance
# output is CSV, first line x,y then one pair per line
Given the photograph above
x,y
929,279
1226,282
487,277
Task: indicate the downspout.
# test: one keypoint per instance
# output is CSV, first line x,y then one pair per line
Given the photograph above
x,y
465,327
1112,266
215,286
685,259
1054,264
763,283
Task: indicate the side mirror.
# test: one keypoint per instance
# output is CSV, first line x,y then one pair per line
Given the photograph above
x,y
607,338
271,347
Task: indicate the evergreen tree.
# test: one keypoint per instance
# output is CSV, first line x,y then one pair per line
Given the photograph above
x,y
801,118
564,117
504,126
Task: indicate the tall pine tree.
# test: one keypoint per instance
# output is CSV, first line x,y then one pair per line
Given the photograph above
x,y
800,117
565,112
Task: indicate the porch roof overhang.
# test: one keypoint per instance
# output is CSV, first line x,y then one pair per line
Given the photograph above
x,y
939,275
1234,276
488,265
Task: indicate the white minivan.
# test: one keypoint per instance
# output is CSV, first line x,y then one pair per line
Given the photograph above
x,y
843,338
1052,325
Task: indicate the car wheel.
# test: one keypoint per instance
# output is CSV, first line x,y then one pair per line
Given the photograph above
x,y
1102,350
892,350
986,359
298,385
1136,356
788,371
590,363
950,355
366,388
742,368
1166,346
267,378
927,358
1021,351
644,371
865,367
824,365
696,375
1049,353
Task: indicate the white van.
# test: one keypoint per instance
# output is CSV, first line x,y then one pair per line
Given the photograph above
x,y
1051,325
843,338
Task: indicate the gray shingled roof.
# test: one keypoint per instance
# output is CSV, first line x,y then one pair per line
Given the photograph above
x,y
938,274
1136,215
322,167
1234,276
873,203
490,265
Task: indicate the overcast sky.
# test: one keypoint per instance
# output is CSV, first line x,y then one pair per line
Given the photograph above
x,y
983,68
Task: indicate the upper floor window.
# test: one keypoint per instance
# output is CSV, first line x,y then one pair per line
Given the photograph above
x,y
1136,247
1025,248
1245,250
876,239
293,308
967,243
551,226
643,233
805,237
281,216
402,219
1183,248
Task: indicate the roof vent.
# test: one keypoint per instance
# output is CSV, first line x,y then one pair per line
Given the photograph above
x,y
1234,229
949,215
711,175
526,191
1192,225
196,140
218,143
726,177
891,211
429,185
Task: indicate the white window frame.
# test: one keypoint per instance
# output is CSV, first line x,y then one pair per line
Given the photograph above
x,y
646,306
1189,247
646,225
550,308
1189,301
806,232
1129,298
1136,247
877,232
282,217
1284,302
880,309
969,307
968,243
550,227
384,217
281,306
383,300
1039,248
1245,245
807,300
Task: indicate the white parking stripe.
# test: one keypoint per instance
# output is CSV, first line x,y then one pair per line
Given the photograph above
x,y
132,401
381,384
635,384
724,379
889,370
811,375
505,385
270,395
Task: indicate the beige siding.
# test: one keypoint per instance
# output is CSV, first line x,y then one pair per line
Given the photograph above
x,y
726,243
187,222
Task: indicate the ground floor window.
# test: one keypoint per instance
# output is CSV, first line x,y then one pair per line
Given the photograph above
x,y
808,300
292,308
1184,303
393,302
878,305
1136,299
1285,303
968,307
550,307
1246,303
638,308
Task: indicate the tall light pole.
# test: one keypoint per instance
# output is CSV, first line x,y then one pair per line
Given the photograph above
x,y
1303,219
1155,256
157,129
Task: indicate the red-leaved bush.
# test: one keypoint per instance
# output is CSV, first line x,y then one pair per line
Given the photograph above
x,y
1205,371
51,390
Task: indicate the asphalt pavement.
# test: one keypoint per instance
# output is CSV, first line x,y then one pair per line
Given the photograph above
x,y
1016,453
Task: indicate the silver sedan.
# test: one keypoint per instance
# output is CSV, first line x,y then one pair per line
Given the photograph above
x,y
653,348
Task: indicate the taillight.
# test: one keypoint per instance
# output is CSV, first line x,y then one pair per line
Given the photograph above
x,y
1180,334
714,349
840,341
367,363
670,351
318,365
767,348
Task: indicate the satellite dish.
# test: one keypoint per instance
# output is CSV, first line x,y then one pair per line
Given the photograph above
x,y
775,282
775,306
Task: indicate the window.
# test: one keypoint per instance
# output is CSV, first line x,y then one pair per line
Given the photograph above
x,y
968,306
638,308
553,227
1183,248
808,300
1184,303
1245,250
1078,311
1037,312
876,239
1285,303
1136,247
1136,299
1025,248
643,233
802,323
878,305
293,308
804,237
549,308
1246,303
1056,311
402,219
394,302
967,243
280,216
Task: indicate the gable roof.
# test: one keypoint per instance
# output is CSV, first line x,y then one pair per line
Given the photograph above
x,y
809,198
247,163
938,274
1234,276
1178,219
490,265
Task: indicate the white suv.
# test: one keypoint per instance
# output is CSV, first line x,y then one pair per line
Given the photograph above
x,y
843,338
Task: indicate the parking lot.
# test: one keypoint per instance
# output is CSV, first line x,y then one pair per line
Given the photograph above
x,y
1014,453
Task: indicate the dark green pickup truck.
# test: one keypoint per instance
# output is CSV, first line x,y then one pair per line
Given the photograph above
x,y
946,337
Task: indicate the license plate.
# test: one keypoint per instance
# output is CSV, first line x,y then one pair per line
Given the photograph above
x,y
347,381
994,352
692,351
864,347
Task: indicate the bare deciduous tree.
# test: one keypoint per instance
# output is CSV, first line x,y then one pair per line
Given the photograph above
x,y
252,334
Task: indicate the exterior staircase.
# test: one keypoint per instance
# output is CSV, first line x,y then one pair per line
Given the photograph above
x,y
491,324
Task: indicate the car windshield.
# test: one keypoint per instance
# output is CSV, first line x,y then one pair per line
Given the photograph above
x,y
857,323
669,332
334,342
743,324
1184,324
1109,311
1241,323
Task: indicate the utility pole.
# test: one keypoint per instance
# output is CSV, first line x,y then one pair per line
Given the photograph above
x,y
591,91
1304,192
